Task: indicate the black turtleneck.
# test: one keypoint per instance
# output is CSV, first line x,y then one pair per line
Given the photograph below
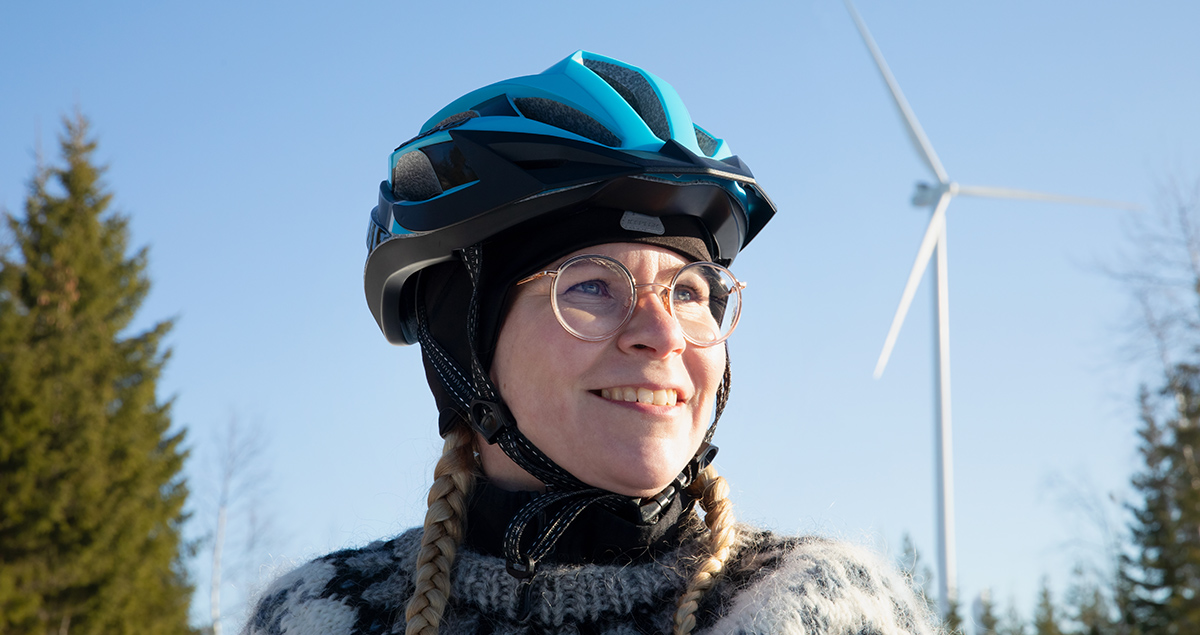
x,y
598,535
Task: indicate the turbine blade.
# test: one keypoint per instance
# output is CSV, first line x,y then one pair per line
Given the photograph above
x,y
1008,192
937,225
915,133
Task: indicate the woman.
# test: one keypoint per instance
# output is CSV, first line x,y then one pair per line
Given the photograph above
x,y
557,245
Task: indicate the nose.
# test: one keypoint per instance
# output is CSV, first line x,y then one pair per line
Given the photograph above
x,y
652,327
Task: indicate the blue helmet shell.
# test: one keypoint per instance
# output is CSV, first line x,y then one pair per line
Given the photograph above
x,y
576,81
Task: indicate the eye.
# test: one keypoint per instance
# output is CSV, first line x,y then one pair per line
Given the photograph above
x,y
597,288
686,294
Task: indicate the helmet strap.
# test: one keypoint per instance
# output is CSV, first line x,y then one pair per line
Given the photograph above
x,y
450,375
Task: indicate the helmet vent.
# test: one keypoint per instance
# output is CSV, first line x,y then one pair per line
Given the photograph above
x,y
450,165
634,88
497,106
413,178
708,143
430,171
455,119
560,115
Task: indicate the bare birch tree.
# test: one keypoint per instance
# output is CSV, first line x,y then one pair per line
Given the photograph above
x,y
242,476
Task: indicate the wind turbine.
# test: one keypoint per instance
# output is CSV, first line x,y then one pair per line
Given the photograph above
x,y
937,197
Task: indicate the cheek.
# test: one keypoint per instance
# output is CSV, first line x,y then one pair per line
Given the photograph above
x,y
707,369
706,366
530,370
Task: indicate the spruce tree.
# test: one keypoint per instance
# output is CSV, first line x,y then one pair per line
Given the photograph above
x,y
1158,586
953,620
1013,623
1163,574
1088,607
91,497
988,623
1045,614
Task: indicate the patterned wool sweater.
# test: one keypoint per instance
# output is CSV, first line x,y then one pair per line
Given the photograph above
x,y
772,584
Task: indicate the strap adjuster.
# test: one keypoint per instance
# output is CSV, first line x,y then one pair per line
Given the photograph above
x,y
705,456
521,570
489,419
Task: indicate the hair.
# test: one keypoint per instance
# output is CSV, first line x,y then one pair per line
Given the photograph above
x,y
445,525
713,492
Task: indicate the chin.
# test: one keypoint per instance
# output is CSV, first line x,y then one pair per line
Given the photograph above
x,y
642,481
644,469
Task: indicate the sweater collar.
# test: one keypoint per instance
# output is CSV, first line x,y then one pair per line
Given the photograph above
x,y
599,535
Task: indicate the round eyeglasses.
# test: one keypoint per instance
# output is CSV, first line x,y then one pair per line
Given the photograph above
x,y
594,296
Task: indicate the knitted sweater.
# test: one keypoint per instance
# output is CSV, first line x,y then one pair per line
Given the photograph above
x,y
772,584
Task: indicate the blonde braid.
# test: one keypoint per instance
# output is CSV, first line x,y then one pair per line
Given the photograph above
x,y
713,492
445,523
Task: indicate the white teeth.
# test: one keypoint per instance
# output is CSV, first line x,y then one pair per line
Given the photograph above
x,y
662,397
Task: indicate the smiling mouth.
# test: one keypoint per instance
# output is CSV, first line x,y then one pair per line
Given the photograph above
x,y
664,397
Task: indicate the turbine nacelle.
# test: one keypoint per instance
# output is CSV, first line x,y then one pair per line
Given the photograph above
x,y
927,195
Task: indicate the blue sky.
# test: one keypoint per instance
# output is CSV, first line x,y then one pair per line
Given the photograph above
x,y
247,140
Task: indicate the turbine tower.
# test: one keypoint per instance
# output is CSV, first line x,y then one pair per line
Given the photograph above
x,y
937,197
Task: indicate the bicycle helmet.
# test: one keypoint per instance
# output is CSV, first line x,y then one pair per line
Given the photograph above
x,y
589,131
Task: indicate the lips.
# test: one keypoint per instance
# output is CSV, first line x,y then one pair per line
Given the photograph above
x,y
659,397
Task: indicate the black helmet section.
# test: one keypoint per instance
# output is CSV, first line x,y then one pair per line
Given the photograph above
x,y
530,176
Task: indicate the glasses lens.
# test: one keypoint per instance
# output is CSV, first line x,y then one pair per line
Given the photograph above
x,y
707,301
592,296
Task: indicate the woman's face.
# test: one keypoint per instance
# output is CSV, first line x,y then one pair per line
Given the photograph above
x,y
568,395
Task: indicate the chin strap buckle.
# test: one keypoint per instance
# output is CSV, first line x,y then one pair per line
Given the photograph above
x,y
490,418
652,507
